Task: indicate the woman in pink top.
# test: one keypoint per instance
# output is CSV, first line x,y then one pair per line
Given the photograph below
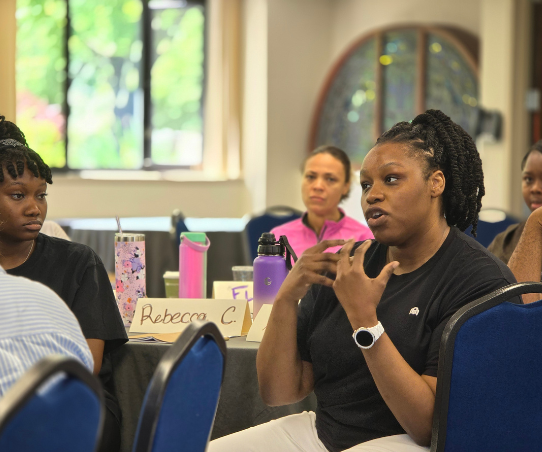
x,y
326,182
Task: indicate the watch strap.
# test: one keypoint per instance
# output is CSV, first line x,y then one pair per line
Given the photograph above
x,y
375,331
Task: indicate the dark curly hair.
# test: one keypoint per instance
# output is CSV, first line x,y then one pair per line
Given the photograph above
x,y
13,156
340,155
537,147
445,146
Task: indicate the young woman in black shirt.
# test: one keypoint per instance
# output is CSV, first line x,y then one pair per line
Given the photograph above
x,y
422,184
72,270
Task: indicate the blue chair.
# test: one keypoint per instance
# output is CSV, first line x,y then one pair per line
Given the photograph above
x,y
257,225
489,387
177,226
181,400
491,223
57,405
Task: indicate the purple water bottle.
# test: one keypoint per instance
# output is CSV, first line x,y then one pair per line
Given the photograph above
x,y
193,265
270,268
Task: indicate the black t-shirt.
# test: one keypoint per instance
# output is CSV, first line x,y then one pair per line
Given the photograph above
x,y
78,276
414,310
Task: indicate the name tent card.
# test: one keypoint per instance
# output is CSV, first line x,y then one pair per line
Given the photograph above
x,y
172,315
260,324
235,290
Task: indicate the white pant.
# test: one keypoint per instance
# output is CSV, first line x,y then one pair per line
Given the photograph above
x,y
297,433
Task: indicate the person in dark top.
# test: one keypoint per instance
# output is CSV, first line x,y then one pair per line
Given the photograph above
x,y
504,244
365,336
72,270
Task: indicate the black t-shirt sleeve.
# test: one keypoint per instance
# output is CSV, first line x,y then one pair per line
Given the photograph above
x,y
467,294
95,307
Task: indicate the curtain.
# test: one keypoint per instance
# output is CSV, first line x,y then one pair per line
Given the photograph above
x,y
222,113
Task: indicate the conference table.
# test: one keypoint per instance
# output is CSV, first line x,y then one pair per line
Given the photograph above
x,y
227,248
239,407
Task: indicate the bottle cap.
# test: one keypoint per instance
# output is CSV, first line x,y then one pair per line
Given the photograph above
x,y
268,246
199,237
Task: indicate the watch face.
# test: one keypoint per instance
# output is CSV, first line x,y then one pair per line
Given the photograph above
x,y
364,338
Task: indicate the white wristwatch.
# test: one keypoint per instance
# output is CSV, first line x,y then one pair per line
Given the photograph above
x,y
366,337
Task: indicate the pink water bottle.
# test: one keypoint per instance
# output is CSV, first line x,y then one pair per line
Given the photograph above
x,y
193,265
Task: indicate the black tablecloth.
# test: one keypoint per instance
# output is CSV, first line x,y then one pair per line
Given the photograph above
x,y
239,407
162,254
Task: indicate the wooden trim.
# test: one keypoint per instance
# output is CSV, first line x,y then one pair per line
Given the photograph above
x,y
421,71
464,42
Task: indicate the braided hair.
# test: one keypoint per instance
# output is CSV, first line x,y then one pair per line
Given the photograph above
x,y
15,153
445,146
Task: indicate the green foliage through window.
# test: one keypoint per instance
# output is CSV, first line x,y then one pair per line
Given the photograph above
x,y
105,98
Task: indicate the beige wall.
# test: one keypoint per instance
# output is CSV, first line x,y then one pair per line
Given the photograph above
x,y
72,197
288,47
254,120
352,18
305,38
299,36
505,71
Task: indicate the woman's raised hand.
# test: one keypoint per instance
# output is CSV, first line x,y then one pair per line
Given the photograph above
x,y
310,269
359,295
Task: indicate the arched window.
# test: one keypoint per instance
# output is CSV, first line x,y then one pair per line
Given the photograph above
x,y
391,76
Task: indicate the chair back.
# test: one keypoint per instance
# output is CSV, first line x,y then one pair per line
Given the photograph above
x,y
258,224
57,405
491,223
180,403
489,390
177,226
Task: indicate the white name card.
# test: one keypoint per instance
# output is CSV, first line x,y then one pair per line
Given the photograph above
x,y
260,324
235,290
171,315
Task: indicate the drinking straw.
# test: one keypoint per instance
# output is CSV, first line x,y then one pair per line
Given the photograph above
x,y
118,224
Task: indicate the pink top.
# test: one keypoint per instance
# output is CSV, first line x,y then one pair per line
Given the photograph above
x,y
302,237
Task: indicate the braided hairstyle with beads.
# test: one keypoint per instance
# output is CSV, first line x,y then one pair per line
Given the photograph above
x,y
445,146
15,154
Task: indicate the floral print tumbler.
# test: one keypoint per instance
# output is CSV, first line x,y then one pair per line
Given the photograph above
x,y
129,273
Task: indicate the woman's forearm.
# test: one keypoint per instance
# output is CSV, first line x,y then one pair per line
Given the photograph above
x,y
409,396
282,376
526,260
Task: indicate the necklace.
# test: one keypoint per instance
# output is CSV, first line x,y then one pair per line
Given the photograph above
x,y
28,255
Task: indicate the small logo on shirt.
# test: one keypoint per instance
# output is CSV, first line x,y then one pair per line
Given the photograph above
x,y
414,311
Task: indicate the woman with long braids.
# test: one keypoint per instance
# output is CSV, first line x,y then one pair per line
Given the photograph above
x,y
365,336
70,269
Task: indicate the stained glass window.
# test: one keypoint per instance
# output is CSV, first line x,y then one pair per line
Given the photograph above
x,y
348,111
376,85
451,84
398,59
82,63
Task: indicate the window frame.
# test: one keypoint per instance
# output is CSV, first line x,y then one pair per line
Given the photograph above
x,y
466,44
145,85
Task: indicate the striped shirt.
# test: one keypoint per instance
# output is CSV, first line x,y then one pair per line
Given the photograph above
x,y
34,323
